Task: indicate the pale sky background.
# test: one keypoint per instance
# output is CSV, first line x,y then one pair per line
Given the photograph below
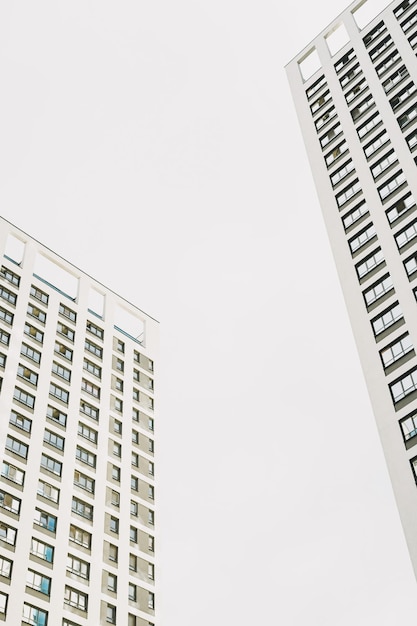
x,y
154,144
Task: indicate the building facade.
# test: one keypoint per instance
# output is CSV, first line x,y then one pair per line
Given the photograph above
x,y
355,92
77,508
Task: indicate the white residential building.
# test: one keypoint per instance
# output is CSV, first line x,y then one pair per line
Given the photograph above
x,y
355,91
77,538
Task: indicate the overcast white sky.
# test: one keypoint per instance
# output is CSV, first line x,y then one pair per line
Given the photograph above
x,y
155,145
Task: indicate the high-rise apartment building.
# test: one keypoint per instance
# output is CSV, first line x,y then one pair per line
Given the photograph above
x,y
355,91
77,539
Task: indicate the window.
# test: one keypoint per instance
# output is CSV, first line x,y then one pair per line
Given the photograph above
x,y
46,520
118,384
39,295
151,517
111,614
344,60
95,330
3,359
409,426
372,147
42,550
87,432
113,553
151,468
65,331
395,78
120,346
386,319
150,423
10,276
411,265
118,405
151,445
3,603
325,117
341,173
34,616
398,100
24,398
132,592
78,567
63,351
330,135
10,502
407,117
380,48
151,571
111,582
37,581
33,332
374,33
17,447
383,164
362,238
61,371
120,365
115,473
56,415
134,483
406,235
59,392
54,440
133,534
400,207
85,456
412,140
117,449
350,75
83,481
75,598
37,313
378,289
115,498
93,348
355,214
51,465
348,192
391,185
117,427
133,563
30,353
114,524
134,508
4,337
6,316
90,388
369,125
362,107
8,534
27,374
92,368
135,436
7,295
151,600
12,473
19,421
316,86
135,395
68,313
79,507
6,567
48,491
369,263
135,459
151,492
89,410
404,386
401,8
80,536
396,350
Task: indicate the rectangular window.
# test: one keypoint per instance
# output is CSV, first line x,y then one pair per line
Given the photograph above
x,y
33,332
8,295
65,331
357,90
12,473
68,313
355,214
4,337
75,598
378,289
114,524
51,465
404,386
95,330
374,34
111,614
17,447
383,164
315,87
23,397
10,502
6,567
92,368
93,348
132,592
380,140
85,456
39,295
63,351
56,415
34,616
362,238
90,388
325,118
347,58
39,582
10,276
111,582
79,507
406,235
380,48
400,207
341,173
115,473
30,353
151,600
36,312
362,107
59,392
6,316
46,520
87,432
333,132
350,75
61,371
348,192
412,140
400,74
78,567
369,263
402,96
8,534
133,566
409,426
27,374
42,550
19,421
48,491
89,410
407,117
369,125
83,481
387,318
53,439
80,536
411,265
396,350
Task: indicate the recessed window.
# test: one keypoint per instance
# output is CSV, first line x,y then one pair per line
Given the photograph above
x,y
39,295
65,331
114,524
111,614
8,534
10,502
75,598
59,393
92,368
93,348
400,207
53,439
115,473
8,295
89,410
84,509
19,421
6,316
63,351
61,371
17,447
95,330
10,276
387,318
51,465
78,567
83,481
6,567
87,432
46,520
80,536
85,456
111,582
362,238
42,550
36,312
48,491
30,353
404,386
378,289
67,312
12,473
396,350
56,415
33,332
369,263
34,615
